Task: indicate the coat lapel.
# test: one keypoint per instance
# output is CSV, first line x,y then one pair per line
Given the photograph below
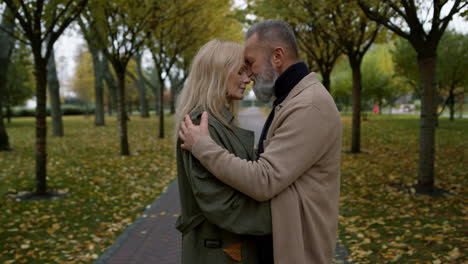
x,y
246,137
307,81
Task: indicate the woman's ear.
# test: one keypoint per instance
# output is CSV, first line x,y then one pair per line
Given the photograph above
x,y
278,57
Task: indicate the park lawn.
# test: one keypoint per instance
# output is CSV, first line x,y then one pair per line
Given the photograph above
x,y
381,223
105,191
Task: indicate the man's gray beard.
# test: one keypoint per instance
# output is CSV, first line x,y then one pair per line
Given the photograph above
x,y
264,85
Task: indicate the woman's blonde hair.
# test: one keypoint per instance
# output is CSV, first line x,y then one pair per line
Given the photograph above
x,y
207,83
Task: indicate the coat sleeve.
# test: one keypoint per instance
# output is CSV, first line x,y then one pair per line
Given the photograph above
x,y
303,136
222,205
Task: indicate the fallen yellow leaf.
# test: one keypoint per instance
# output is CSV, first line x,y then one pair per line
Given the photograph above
x,y
454,254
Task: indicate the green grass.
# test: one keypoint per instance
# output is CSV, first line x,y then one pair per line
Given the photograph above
x,y
380,223
106,191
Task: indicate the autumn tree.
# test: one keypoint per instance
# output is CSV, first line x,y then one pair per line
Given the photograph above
x,y
120,27
41,23
143,101
216,20
177,79
320,52
186,26
98,61
166,42
405,63
54,96
379,83
326,29
354,33
19,86
341,80
451,64
112,87
83,78
152,81
409,22
453,61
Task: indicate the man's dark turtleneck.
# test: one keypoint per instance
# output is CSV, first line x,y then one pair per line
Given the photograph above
x,y
283,86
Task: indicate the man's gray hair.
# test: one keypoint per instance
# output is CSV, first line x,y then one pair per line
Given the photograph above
x,y
275,30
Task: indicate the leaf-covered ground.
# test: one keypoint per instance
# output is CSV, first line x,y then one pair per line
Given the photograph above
x,y
381,223
106,191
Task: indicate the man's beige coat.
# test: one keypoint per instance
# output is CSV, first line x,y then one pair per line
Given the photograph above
x,y
299,171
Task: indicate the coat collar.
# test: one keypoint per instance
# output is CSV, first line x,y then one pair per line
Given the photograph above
x,y
288,80
226,114
246,137
307,81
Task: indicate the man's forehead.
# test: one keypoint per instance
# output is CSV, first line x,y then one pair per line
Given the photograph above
x,y
251,46
252,40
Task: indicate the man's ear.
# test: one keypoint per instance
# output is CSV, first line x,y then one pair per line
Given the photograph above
x,y
278,57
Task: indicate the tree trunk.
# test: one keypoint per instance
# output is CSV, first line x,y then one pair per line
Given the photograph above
x,y
7,45
8,113
156,88
115,98
122,113
452,103
109,104
54,93
156,103
462,102
111,85
427,70
4,141
356,97
175,88
144,112
173,99
99,119
41,125
326,79
161,108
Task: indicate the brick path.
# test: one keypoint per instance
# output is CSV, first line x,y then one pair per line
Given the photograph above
x,y
152,238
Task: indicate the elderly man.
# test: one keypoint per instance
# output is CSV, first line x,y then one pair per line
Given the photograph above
x,y
299,150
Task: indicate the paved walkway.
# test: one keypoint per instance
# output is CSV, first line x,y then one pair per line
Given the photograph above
x,y
253,119
152,238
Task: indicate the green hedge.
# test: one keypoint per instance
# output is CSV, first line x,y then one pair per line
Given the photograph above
x,y
66,110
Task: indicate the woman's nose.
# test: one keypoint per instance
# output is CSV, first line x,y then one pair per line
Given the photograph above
x,y
245,78
249,72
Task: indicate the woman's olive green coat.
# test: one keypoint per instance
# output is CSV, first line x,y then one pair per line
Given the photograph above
x,y
219,224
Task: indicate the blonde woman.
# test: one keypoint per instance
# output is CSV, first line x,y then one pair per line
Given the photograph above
x,y
218,224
